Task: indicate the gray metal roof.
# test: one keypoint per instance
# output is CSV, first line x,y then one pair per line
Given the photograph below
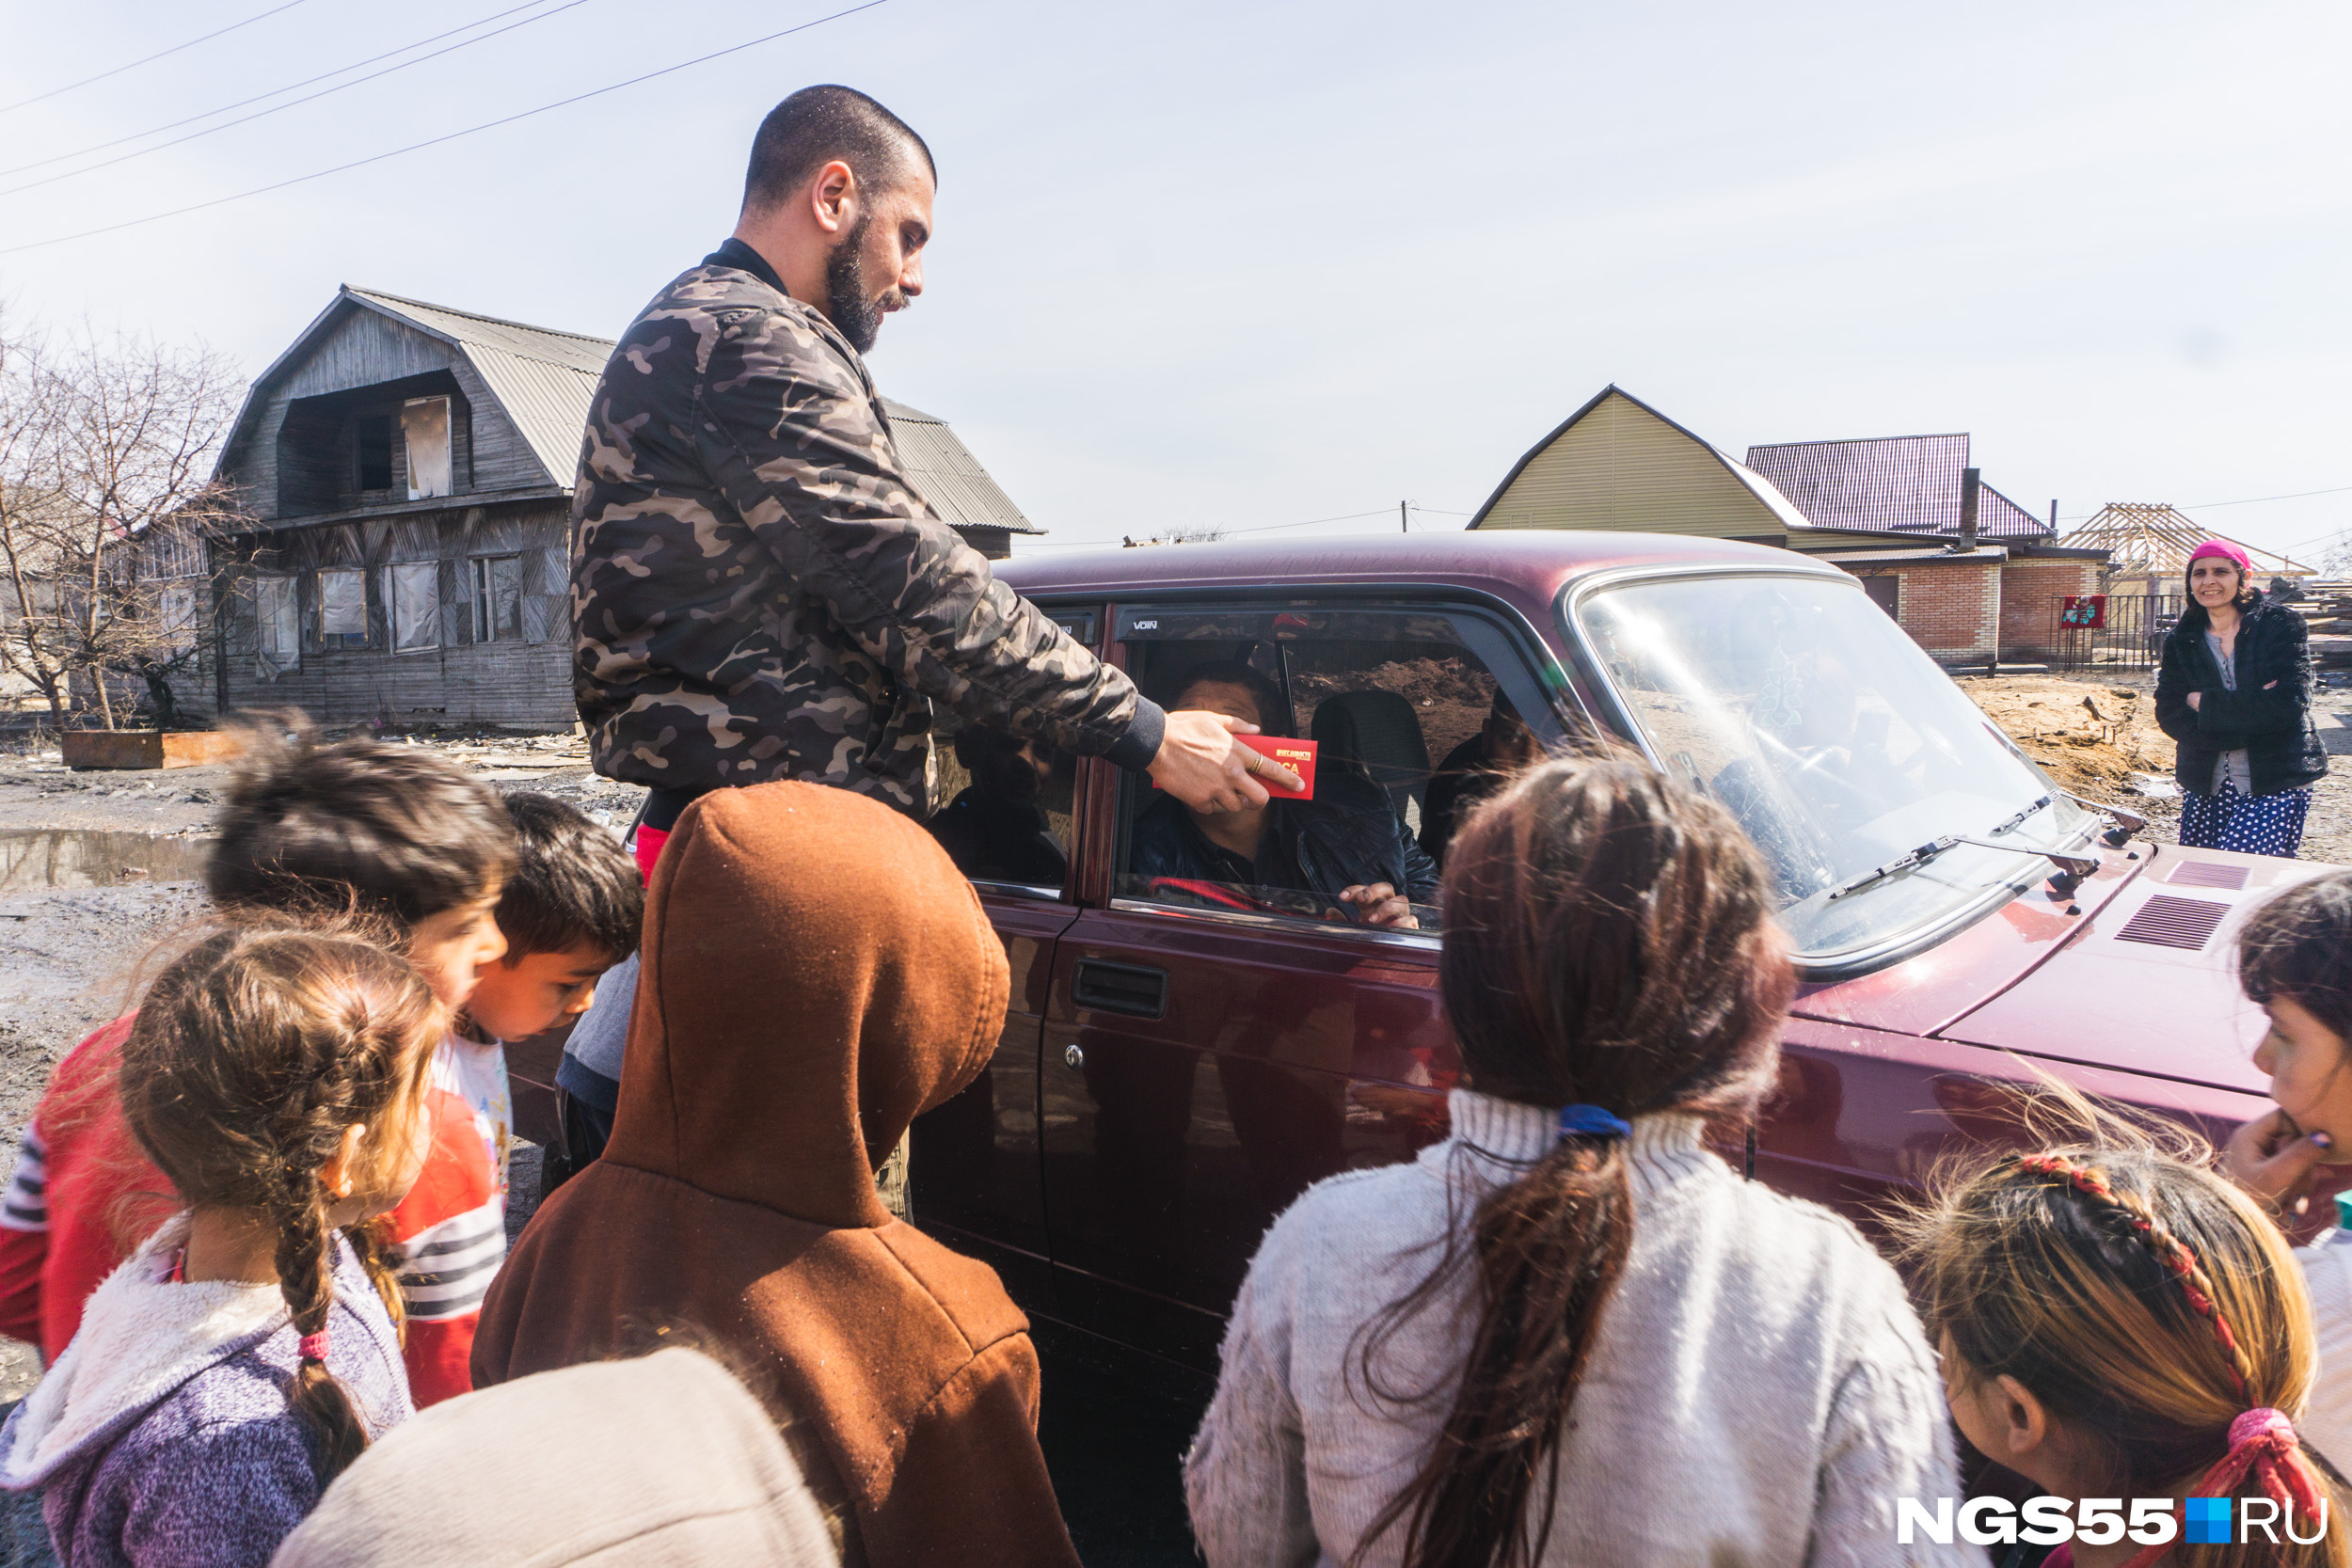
x,y
545,379
952,479
1903,483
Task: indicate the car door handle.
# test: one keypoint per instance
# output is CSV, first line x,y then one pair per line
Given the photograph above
x,y
1120,988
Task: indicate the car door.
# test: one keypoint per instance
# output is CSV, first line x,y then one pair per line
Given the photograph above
x,y
974,1167
1202,1064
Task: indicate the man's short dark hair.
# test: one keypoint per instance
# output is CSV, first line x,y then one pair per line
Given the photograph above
x,y
1274,711
816,126
572,884
388,830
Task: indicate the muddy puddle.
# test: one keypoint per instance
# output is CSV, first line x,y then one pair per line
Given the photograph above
x,y
36,858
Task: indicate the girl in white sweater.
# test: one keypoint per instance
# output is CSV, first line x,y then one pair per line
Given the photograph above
x,y
1569,1333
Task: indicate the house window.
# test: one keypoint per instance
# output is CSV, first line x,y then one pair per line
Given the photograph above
x,y
416,606
373,436
1885,593
498,598
424,425
344,608
175,610
279,622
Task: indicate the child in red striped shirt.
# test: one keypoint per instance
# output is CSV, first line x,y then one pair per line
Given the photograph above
x,y
397,834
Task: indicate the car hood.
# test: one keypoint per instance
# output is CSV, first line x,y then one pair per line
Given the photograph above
x,y
2141,980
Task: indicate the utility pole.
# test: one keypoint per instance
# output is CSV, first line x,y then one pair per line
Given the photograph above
x,y
1404,521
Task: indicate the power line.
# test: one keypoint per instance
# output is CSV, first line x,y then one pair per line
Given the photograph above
x,y
436,141
291,86
2244,501
263,113
43,98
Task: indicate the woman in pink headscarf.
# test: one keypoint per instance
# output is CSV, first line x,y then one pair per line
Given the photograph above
x,y
2234,693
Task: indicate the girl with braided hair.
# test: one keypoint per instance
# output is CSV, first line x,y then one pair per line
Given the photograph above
x,y
247,1353
2119,1324
1571,1332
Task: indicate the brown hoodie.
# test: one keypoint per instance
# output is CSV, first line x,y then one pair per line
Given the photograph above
x,y
816,974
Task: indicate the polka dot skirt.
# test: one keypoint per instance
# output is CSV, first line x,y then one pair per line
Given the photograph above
x,y
2247,824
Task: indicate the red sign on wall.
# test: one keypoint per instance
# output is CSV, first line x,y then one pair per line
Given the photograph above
x,y
2089,611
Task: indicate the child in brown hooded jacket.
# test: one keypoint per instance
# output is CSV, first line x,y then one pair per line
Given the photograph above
x,y
815,975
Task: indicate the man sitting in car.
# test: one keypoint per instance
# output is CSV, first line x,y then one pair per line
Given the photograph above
x,y
1345,849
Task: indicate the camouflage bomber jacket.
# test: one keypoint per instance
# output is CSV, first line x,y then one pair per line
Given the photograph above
x,y
759,593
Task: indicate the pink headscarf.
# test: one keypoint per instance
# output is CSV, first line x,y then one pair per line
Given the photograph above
x,y
2227,552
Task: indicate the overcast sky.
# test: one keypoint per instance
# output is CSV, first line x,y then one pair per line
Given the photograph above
x,y
1255,264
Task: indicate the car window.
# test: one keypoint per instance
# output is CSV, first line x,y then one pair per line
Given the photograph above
x,y
1411,729
1007,801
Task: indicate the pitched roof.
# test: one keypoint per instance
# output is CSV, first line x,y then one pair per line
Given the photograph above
x,y
2156,538
1897,483
545,379
1766,503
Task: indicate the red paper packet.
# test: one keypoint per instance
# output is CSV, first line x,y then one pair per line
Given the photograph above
x,y
1297,756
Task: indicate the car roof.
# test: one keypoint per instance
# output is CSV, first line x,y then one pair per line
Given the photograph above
x,y
1526,567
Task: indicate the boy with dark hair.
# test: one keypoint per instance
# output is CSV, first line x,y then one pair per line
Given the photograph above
x,y
569,911
384,831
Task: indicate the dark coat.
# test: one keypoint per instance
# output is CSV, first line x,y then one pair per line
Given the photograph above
x,y
1347,836
2269,714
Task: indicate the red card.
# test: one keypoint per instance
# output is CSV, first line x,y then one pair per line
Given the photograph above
x,y
1297,756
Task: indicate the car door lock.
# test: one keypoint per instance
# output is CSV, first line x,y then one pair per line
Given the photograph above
x,y
1074,1057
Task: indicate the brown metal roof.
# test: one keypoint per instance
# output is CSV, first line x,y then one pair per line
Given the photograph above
x,y
1903,483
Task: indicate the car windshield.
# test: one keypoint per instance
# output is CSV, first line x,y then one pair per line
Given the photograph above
x,y
1803,707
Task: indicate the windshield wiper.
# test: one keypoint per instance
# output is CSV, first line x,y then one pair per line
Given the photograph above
x,y
2019,820
1904,861
2071,868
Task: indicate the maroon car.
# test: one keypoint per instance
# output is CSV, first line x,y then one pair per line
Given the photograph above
x,y
1185,1053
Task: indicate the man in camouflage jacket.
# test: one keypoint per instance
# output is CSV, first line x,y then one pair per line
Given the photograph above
x,y
758,591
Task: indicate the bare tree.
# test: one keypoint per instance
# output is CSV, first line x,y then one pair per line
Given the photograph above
x,y
1182,533
105,502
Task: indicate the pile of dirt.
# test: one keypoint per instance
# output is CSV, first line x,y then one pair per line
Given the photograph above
x,y
2095,739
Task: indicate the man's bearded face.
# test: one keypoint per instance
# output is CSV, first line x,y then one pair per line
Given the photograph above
x,y
850,301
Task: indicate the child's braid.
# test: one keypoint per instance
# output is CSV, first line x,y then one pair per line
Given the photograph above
x,y
2128,1217
245,1070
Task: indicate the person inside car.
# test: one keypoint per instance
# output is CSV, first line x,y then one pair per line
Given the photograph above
x,y
1346,848
1473,770
993,830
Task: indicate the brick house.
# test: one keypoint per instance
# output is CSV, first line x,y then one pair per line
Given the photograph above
x,y
1888,511
1914,485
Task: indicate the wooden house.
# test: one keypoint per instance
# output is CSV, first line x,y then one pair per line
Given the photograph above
x,y
409,467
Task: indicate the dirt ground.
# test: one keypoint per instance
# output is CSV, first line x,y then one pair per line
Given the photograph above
x,y
97,868
2096,736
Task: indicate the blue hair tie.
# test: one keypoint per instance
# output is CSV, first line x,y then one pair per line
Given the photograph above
x,y
1591,1121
